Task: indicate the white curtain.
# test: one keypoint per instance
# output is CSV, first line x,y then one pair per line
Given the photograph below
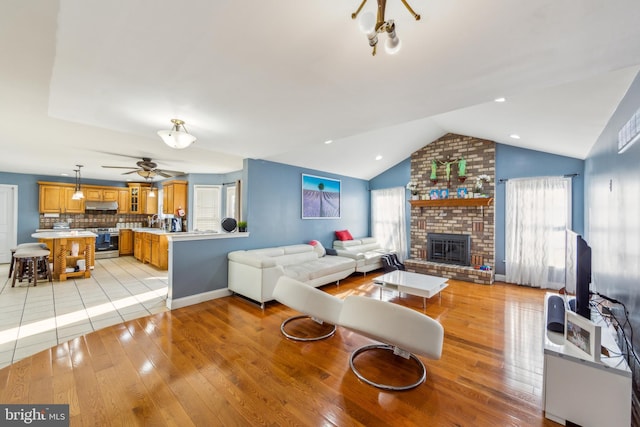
x,y
388,219
538,210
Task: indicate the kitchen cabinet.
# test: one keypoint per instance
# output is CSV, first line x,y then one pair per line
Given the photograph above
x,y
149,203
105,194
125,242
137,245
174,196
123,201
138,200
57,199
151,248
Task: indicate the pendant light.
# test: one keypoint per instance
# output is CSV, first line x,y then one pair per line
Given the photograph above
x,y
77,194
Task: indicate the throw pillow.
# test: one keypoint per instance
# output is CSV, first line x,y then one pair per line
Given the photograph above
x,y
318,248
343,235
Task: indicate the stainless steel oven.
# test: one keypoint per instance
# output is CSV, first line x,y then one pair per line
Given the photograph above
x,y
107,242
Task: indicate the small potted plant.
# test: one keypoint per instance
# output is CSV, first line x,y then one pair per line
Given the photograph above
x,y
242,226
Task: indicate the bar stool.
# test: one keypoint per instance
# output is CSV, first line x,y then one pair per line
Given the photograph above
x,y
24,246
31,262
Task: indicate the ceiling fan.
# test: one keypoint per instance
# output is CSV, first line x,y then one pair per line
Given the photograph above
x,y
147,169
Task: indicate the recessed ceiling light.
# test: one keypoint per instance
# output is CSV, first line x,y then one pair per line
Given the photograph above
x,y
64,174
515,136
378,157
501,99
328,141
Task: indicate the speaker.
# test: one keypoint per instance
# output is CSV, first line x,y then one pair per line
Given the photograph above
x,y
229,224
555,314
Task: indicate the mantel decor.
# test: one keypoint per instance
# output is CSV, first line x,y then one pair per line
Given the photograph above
x,y
478,201
462,170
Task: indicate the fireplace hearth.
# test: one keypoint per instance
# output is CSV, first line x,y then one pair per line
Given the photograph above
x,y
449,248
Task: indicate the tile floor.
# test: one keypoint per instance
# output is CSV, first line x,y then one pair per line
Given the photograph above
x,y
33,319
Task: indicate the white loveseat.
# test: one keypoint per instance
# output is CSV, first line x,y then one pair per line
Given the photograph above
x,y
366,251
254,273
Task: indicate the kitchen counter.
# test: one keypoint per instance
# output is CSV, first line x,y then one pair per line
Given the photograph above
x,y
191,235
60,244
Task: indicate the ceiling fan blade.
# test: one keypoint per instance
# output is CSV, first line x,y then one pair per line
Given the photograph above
x,y
119,167
169,172
164,175
127,173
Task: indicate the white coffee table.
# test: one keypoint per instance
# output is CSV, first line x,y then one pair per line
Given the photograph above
x,y
412,283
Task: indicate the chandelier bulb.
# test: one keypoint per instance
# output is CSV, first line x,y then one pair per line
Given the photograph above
x,y
367,23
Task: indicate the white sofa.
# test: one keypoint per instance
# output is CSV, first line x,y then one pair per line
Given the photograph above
x,y
366,251
254,273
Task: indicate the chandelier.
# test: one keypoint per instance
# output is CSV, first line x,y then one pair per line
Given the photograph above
x,y
372,26
177,137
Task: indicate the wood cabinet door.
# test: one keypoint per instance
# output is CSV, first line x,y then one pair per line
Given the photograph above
x,y
70,205
167,197
123,201
94,194
110,194
50,198
125,243
150,204
137,246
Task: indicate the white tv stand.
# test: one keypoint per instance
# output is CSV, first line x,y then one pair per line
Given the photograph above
x,y
581,391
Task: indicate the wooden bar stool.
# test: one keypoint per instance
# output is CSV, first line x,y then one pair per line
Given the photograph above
x,y
31,262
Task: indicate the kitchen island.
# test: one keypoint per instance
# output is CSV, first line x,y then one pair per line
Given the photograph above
x,y
61,243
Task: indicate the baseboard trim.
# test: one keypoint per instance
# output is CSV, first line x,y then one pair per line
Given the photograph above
x,y
197,299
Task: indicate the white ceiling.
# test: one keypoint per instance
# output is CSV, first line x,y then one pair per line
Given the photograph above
x,y
91,82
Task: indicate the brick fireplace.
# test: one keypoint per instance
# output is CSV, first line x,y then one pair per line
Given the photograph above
x,y
454,216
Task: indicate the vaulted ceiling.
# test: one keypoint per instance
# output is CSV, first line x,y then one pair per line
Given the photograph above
x,y
91,82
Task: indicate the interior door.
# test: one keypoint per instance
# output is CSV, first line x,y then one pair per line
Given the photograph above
x,y
8,221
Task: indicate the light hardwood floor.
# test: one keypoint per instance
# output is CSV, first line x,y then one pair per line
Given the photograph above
x,y
225,362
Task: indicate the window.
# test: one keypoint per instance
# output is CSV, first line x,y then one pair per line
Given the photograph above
x,y
231,202
206,207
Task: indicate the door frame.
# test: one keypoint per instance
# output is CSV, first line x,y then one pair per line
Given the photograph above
x,y
12,238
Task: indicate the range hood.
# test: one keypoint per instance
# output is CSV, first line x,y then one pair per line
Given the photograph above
x,y
100,207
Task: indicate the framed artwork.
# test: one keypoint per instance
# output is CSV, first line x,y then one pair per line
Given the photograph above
x,y
462,192
444,193
320,197
582,335
434,194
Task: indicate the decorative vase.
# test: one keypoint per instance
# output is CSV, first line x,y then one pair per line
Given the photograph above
x,y
415,196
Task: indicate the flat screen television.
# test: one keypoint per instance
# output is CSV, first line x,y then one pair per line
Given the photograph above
x,y
578,273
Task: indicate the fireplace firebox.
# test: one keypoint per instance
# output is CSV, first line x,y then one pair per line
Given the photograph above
x,y
449,248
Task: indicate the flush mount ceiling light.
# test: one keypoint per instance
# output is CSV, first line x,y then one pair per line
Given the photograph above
x,y
177,137
372,26
77,193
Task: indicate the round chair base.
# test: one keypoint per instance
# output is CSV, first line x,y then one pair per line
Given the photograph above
x,y
420,365
299,338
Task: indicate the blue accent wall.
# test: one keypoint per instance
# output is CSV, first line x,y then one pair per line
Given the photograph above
x,y
515,162
274,206
272,197
612,199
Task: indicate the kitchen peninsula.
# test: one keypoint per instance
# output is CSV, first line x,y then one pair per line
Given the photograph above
x,y
64,257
